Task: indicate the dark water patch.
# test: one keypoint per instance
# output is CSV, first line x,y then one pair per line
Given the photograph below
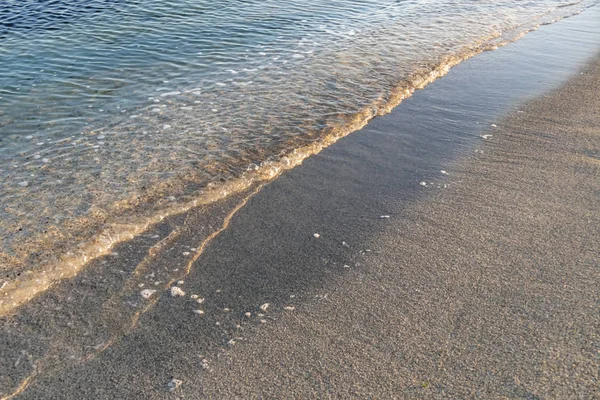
x,y
23,16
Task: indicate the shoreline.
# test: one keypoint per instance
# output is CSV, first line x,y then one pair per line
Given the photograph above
x,y
396,302
30,272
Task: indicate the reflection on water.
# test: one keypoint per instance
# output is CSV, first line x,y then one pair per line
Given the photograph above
x,y
113,109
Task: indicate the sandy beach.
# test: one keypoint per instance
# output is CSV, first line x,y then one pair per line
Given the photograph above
x,y
449,249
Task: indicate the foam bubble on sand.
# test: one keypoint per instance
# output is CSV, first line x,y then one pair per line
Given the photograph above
x,y
23,184
264,307
443,172
384,216
173,384
346,266
147,293
176,292
486,136
494,126
423,183
166,126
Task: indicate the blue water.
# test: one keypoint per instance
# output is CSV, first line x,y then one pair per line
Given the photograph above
x,y
112,108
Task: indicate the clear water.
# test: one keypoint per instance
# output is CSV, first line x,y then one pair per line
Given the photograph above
x,y
111,109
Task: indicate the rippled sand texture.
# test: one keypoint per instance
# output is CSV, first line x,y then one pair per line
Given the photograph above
x,y
113,114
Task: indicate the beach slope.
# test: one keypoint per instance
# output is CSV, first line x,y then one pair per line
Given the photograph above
x,y
467,267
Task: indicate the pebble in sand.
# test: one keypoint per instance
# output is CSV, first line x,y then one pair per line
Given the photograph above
x,y
176,292
147,293
264,307
173,384
205,364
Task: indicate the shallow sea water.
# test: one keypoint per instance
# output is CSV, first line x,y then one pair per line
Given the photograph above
x,y
116,113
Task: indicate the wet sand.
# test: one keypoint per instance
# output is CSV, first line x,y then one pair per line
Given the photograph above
x,y
481,283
